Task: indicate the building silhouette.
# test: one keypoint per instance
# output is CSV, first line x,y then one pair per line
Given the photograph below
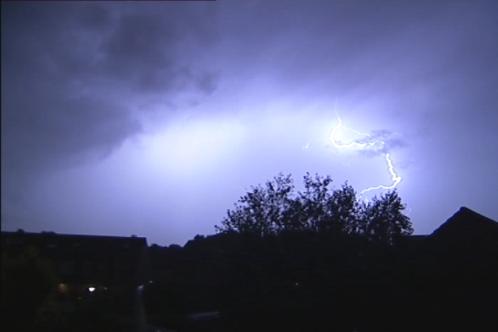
x,y
443,281
86,260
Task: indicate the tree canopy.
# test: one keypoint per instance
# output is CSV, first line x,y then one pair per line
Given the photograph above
x,y
277,207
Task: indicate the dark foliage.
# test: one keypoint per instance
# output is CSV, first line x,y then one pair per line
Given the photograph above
x,y
312,281
27,279
277,208
322,260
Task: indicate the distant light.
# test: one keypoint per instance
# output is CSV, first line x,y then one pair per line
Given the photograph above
x,y
91,289
62,287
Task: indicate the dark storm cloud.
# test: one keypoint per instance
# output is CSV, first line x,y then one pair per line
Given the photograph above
x,y
387,51
72,74
76,76
135,51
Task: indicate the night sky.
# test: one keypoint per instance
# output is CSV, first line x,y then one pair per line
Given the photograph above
x,y
153,118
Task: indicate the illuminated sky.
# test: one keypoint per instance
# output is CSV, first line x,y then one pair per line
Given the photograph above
x,y
153,118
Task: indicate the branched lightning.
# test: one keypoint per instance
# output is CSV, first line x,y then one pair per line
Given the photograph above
x,y
359,141
394,176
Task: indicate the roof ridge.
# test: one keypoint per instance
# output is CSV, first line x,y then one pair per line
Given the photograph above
x,y
464,215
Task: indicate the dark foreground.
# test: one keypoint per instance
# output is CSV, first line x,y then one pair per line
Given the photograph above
x,y
447,281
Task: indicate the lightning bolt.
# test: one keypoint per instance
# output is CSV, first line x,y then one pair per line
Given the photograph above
x,y
394,176
359,141
363,141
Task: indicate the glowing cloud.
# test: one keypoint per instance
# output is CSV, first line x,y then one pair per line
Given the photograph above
x,y
345,138
192,147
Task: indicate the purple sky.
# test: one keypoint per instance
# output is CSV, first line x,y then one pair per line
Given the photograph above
x,y
153,118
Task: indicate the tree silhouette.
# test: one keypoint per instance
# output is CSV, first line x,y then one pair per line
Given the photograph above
x,y
383,219
264,210
277,207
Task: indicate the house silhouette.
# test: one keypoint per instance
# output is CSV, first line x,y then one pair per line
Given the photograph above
x,y
86,260
467,226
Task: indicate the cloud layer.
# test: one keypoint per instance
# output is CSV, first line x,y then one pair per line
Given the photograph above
x,y
235,89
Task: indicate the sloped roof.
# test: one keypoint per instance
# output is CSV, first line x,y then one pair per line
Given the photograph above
x,y
466,223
